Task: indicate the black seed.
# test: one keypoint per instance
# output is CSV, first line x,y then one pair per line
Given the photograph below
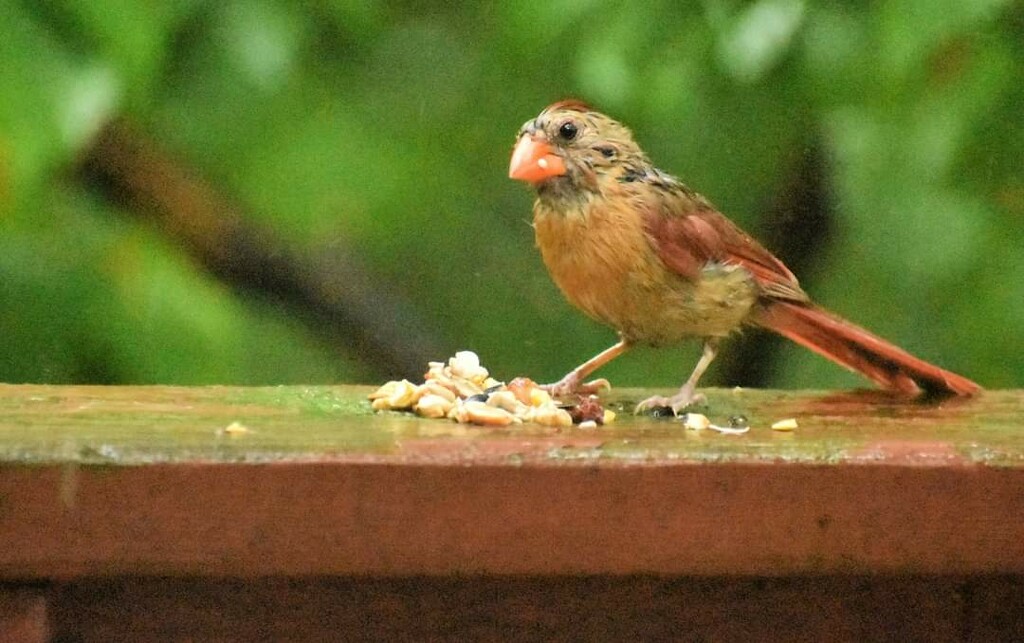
x,y
479,397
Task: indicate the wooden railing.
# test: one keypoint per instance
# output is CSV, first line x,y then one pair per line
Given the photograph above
x,y
292,513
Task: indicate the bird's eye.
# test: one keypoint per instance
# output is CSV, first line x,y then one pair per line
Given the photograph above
x,y
567,130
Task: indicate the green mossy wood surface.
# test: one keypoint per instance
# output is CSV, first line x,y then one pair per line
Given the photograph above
x,y
139,425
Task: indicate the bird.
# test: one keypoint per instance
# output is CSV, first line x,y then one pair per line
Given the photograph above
x,y
636,249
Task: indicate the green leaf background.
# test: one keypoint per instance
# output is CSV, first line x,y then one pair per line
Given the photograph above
x,y
387,127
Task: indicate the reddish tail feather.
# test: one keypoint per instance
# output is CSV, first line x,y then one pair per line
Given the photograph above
x,y
887,365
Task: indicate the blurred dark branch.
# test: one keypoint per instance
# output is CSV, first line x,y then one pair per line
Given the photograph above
x,y
333,293
796,228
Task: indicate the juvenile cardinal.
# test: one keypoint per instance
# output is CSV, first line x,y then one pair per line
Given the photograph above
x,y
636,249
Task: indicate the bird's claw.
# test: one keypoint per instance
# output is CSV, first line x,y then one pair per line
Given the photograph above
x,y
677,402
571,385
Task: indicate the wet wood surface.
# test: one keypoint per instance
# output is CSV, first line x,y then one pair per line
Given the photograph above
x,y
125,426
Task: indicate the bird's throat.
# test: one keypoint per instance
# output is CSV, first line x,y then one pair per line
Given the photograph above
x,y
574,191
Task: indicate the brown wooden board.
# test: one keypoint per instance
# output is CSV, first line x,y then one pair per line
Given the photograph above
x,y
101,481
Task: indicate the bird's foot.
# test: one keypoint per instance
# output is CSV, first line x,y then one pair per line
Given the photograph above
x,y
681,400
571,385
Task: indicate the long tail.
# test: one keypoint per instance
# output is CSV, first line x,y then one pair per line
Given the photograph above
x,y
887,365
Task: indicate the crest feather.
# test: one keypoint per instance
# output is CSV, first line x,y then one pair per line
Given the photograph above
x,y
570,103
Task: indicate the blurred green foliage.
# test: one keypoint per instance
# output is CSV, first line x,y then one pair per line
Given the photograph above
x,y
387,126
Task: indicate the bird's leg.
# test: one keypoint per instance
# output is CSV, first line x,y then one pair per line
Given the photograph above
x,y
687,394
573,383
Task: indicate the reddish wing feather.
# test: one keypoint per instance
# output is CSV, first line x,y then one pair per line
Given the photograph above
x,y
686,243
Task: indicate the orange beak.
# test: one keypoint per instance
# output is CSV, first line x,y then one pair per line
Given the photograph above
x,y
534,161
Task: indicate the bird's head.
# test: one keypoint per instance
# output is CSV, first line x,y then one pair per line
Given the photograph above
x,y
570,148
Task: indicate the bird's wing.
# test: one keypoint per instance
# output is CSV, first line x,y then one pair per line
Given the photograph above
x,y
687,241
